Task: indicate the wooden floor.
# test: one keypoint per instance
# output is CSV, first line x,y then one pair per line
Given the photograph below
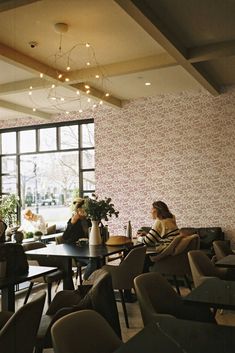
x,y
224,318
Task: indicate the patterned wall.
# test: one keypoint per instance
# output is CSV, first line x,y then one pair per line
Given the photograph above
x,y
178,148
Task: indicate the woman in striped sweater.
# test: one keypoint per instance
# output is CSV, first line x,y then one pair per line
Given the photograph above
x,y
164,228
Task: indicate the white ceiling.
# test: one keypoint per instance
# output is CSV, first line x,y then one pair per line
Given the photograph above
x,y
130,49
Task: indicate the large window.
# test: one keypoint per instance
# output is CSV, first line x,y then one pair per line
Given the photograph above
x,y
47,165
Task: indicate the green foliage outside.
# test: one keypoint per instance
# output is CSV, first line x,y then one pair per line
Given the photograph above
x,y
8,209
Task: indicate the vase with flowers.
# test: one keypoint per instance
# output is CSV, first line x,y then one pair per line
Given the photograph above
x,y
98,210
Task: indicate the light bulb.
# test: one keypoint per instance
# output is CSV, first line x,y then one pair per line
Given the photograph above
x,y
62,99
147,83
88,91
41,75
68,68
107,94
34,109
67,79
30,93
60,75
53,86
87,45
30,87
101,102
88,63
80,110
67,112
88,100
97,76
78,93
87,86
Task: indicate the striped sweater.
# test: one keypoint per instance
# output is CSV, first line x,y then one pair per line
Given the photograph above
x,y
162,232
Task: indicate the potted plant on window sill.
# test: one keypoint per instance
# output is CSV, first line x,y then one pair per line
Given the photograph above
x,y
97,210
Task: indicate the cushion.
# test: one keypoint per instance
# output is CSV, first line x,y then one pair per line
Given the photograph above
x,y
118,240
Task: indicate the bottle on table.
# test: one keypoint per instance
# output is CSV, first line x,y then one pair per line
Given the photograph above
x,y
129,230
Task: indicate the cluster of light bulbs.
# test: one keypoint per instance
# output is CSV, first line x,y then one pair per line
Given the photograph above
x,y
61,77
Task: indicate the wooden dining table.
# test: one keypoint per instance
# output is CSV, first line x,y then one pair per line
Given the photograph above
x,y
66,252
7,284
213,293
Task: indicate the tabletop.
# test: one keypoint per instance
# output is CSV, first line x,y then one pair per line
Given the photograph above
x,y
214,292
34,272
85,251
171,335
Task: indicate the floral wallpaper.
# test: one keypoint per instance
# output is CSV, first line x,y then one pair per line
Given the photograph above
x,y
179,148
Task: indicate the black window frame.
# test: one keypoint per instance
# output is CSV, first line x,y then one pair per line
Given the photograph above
x,y
38,127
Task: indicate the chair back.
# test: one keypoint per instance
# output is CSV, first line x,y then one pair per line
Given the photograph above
x,y
131,266
97,294
201,267
33,245
222,249
95,334
156,296
18,335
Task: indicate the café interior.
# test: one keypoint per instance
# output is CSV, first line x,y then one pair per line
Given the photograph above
x,y
156,80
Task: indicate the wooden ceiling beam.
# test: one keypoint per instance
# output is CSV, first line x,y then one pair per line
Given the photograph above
x,y
124,68
6,5
211,51
97,94
23,86
18,59
148,20
24,110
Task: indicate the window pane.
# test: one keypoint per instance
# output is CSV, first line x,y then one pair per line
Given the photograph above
x,y
48,182
9,185
87,132
9,165
88,159
28,141
69,137
8,142
47,138
89,180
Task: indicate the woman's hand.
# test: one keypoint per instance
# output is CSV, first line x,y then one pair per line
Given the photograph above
x,y
75,218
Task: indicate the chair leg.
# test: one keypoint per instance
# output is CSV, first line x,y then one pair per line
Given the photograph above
x,y
79,273
124,307
176,285
28,292
49,285
187,280
57,285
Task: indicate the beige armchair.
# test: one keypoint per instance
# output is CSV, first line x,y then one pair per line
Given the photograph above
x,y
95,334
18,330
156,296
173,261
222,249
97,295
202,268
124,274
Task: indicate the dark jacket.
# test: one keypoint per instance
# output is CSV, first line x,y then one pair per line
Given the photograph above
x,y
73,232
